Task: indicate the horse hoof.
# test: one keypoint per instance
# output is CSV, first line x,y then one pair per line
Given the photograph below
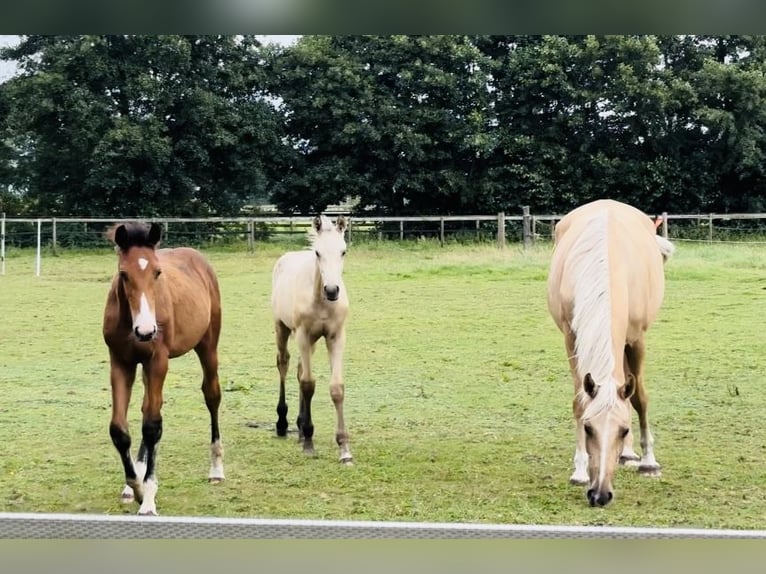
x,y
650,471
629,462
215,480
577,482
148,513
347,461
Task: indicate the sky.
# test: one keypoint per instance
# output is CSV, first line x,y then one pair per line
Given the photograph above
x,y
8,69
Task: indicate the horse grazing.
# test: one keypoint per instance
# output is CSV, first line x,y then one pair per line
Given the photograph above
x,y
309,301
161,304
605,287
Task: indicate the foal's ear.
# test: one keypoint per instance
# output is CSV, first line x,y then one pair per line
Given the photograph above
x,y
341,224
155,234
589,386
318,223
629,387
121,237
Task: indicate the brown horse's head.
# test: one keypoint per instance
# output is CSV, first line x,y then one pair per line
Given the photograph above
x,y
139,271
606,421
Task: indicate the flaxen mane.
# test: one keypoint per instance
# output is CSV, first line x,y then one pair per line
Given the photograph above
x,y
591,317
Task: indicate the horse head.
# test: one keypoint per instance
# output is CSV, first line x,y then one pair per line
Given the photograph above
x,y
139,272
606,423
330,249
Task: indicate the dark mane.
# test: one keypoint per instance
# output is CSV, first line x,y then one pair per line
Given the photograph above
x,y
134,234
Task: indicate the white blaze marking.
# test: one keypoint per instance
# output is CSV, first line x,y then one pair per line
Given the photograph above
x,y
142,263
144,321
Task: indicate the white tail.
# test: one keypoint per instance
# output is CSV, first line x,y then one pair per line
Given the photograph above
x,y
666,247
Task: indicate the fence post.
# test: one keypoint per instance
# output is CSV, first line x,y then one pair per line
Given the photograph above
x,y
501,229
53,239
710,227
37,257
441,231
348,226
553,229
526,230
665,224
250,235
2,244
401,231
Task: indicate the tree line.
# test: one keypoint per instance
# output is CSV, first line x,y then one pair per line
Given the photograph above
x,y
175,125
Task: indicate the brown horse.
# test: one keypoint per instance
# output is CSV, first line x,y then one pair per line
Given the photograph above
x,y
161,304
605,288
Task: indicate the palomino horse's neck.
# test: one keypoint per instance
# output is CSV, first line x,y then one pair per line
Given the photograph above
x,y
592,313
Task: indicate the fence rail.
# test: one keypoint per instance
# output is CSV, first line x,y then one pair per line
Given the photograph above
x,y
55,233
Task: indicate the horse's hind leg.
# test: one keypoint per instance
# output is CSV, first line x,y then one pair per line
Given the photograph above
x,y
335,345
211,389
628,457
283,362
648,465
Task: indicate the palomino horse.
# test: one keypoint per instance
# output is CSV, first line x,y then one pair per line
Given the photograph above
x,y
605,288
162,303
309,301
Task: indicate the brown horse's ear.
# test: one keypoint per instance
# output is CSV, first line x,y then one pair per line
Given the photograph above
x,y
318,223
589,386
121,237
155,234
340,224
629,387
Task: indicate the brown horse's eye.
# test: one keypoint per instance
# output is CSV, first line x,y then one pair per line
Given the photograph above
x,y
157,273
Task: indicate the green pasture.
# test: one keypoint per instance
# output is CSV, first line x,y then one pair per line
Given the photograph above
x,y
458,398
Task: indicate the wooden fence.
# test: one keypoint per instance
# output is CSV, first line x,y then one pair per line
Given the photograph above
x,y
527,227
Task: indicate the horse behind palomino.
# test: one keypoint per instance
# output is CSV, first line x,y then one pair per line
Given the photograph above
x,y
309,301
161,304
605,287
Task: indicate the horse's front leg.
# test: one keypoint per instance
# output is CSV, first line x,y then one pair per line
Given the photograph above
x,y
335,345
307,385
151,428
122,377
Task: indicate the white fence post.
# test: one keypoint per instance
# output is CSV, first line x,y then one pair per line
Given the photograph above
x,y
501,229
2,244
37,258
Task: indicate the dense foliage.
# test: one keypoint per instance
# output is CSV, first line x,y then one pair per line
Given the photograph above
x,y
195,125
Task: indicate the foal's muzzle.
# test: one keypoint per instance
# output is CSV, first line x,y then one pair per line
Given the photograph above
x,y
144,337
332,292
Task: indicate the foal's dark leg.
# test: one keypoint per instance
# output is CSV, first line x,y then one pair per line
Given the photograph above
x,y
283,362
211,390
151,429
307,384
122,377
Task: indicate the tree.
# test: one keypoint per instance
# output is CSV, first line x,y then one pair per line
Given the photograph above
x,y
140,125
396,121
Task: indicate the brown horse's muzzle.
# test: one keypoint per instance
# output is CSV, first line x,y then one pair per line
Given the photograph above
x,y
145,337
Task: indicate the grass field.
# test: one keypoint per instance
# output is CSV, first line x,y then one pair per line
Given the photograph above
x,y
458,398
